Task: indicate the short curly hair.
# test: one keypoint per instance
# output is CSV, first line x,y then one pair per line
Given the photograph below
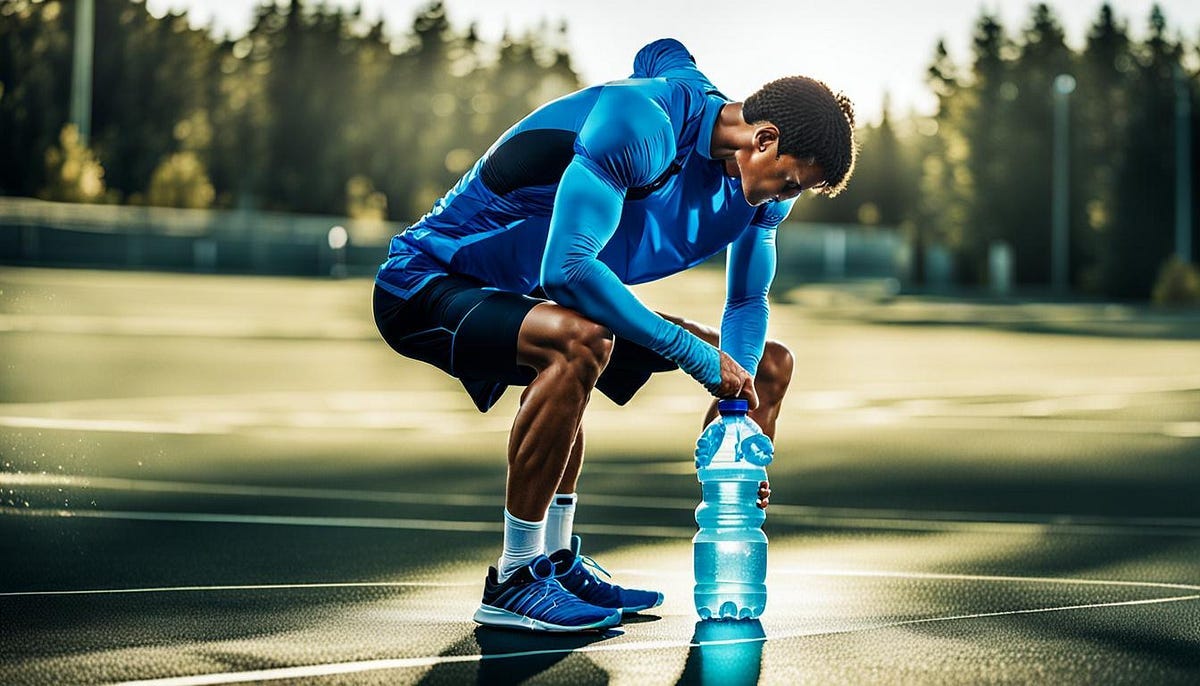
x,y
813,121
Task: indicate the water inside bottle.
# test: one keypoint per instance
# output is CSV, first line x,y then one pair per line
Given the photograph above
x,y
730,550
729,579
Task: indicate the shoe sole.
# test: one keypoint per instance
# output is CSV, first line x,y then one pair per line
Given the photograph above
x,y
495,617
631,610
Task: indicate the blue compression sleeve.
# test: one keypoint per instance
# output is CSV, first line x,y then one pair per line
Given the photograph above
x,y
749,269
587,210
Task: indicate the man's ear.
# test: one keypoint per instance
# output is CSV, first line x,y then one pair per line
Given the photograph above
x,y
765,136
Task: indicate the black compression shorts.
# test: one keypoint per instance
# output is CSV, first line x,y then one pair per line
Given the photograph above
x,y
470,332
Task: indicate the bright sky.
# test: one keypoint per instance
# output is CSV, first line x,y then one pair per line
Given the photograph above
x,y
862,47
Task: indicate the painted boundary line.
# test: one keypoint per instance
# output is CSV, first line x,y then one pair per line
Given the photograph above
x,y
798,522
797,571
831,517
331,669
876,418
943,576
246,587
349,522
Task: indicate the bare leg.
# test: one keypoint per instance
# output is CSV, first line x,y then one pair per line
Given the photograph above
x,y
569,352
570,475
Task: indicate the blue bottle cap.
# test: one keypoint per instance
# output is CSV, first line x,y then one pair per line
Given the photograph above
x,y
733,406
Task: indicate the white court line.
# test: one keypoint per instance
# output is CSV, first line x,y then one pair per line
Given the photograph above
x,y
346,522
329,669
877,417
950,422
678,532
941,576
117,425
799,571
1013,528
934,406
194,488
247,587
826,516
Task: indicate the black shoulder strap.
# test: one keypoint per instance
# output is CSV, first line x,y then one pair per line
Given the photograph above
x,y
641,192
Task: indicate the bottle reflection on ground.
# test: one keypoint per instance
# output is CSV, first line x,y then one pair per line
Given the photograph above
x,y
727,652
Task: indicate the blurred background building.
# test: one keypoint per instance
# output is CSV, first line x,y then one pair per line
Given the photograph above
x,y
140,139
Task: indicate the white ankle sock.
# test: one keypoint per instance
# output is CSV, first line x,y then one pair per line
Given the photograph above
x,y
559,521
523,541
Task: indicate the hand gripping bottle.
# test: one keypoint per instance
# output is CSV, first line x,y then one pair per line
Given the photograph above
x,y
730,550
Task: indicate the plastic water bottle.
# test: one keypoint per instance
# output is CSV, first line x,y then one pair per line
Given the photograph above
x,y
730,550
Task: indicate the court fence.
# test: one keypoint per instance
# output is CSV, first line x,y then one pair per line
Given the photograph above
x,y
39,233
52,234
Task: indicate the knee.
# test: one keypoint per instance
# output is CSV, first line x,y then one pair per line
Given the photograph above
x,y
774,370
585,347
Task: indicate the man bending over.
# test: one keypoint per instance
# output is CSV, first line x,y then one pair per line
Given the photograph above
x,y
519,274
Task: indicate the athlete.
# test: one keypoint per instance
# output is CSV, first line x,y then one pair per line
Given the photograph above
x,y
518,276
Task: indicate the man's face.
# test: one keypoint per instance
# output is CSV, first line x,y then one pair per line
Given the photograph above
x,y
767,175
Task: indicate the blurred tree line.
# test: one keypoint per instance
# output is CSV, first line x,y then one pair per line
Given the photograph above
x,y
979,170
316,109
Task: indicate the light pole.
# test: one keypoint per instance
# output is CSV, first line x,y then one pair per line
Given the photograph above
x,y
1064,85
81,73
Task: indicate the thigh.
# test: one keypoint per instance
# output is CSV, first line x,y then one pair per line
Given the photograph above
x,y
458,325
544,329
632,365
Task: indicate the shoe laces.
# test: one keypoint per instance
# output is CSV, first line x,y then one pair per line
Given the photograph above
x,y
586,560
542,586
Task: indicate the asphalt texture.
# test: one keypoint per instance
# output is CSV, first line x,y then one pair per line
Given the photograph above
x,y
221,480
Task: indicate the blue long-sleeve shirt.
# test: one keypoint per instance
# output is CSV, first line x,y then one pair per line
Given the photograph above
x,y
608,186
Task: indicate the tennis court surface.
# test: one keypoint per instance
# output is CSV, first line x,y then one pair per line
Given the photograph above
x,y
219,479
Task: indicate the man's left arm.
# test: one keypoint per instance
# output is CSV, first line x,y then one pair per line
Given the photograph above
x,y
749,271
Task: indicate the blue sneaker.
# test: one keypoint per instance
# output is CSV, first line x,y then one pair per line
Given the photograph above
x,y
571,570
532,599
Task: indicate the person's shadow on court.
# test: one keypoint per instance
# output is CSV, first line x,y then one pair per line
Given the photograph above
x,y
512,657
726,652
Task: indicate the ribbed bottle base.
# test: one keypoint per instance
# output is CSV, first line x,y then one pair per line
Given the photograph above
x,y
725,604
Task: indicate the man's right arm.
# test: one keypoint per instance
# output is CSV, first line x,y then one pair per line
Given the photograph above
x,y
627,142
587,210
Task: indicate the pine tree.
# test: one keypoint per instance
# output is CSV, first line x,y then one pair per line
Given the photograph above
x,y
986,126
943,150
1104,108
35,81
1142,237
1029,146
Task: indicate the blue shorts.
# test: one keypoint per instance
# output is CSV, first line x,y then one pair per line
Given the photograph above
x,y
470,332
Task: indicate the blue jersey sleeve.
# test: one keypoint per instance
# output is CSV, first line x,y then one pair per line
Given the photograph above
x,y
749,270
624,144
628,137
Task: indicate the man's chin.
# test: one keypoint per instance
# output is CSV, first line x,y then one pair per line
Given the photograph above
x,y
752,200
